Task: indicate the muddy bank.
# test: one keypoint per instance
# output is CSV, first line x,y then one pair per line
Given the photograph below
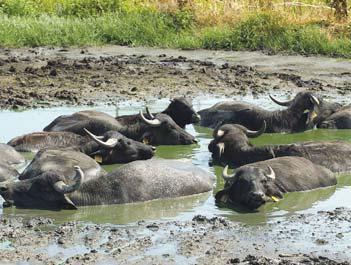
x,y
300,239
44,77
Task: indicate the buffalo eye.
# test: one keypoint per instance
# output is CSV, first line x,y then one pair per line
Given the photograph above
x,y
3,189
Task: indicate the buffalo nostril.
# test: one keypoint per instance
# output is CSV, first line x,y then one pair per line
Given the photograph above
x,y
196,117
3,189
195,141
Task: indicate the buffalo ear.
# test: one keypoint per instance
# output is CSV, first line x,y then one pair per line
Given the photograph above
x,y
68,204
222,196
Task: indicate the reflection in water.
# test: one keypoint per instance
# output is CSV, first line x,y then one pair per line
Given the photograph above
x,y
184,208
120,213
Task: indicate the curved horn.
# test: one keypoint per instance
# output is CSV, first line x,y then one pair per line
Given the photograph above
x,y
271,174
62,187
225,175
149,113
110,143
315,100
253,134
281,103
153,123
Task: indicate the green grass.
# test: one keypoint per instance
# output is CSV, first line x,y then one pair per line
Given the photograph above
x,y
92,24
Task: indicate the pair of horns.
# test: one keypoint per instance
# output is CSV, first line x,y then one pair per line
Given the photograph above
x,y
287,103
154,122
110,143
249,133
228,177
253,134
62,187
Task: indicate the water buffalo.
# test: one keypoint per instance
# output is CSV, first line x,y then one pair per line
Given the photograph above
x,y
254,184
160,130
33,142
180,110
9,156
113,147
95,121
133,182
110,148
340,119
297,117
61,161
330,114
7,172
231,145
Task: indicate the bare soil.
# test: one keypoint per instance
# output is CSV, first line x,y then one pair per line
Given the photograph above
x,y
201,240
44,77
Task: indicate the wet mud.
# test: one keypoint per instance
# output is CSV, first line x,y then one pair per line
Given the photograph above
x,y
44,77
202,240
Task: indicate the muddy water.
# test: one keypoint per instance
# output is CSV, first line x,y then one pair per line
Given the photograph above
x,y
17,123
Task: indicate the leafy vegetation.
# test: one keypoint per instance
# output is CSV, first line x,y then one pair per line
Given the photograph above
x,y
276,26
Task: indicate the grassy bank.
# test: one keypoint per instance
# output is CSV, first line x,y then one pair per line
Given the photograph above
x,y
179,24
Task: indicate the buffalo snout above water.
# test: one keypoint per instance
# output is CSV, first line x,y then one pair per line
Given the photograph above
x,y
133,182
231,145
255,184
180,110
298,115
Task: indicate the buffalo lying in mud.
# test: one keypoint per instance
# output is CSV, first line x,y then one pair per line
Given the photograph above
x,y
340,119
95,121
133,182
254,184
180,110
160,130
297,117
9,156
113,147
7,172
231,145
33,142
62,162
331,115
110,148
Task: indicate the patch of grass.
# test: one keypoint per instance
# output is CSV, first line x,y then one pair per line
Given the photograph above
x,y
171,24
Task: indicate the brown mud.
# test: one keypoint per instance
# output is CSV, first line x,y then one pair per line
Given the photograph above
x,y
44,77
201,240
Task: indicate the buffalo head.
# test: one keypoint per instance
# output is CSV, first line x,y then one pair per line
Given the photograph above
x,y
230,138
249,186
113,147
182,112
163,130
47,191
303,103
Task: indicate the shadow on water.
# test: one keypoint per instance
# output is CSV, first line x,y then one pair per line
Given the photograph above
x,y
185,208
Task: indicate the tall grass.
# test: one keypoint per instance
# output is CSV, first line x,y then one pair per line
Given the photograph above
x,y
212,24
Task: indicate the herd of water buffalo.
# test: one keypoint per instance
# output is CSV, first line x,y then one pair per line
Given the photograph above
x,y
65,172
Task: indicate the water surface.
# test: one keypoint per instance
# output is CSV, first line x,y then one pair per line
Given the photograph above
x,y
18,123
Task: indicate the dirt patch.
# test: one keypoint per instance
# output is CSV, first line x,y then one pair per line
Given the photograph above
x,y
201,240
46,77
